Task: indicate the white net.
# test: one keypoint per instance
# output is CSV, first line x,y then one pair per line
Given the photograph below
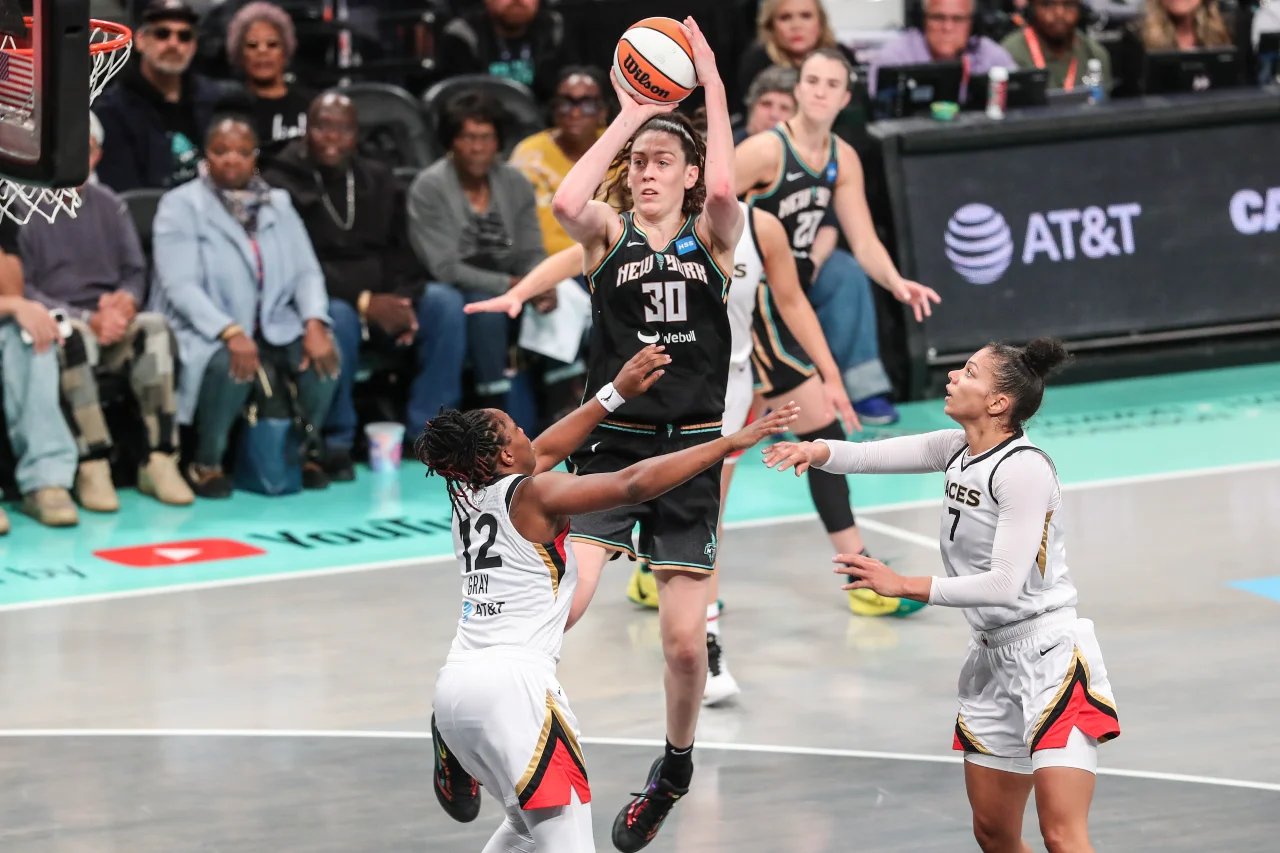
x,y
109,50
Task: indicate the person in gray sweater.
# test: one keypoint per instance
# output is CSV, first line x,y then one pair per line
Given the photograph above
x,y
473,222
92,269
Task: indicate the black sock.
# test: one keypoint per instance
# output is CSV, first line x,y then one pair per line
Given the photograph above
x,y
677,765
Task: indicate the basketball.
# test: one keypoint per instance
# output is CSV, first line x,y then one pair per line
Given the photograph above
x,y
653,61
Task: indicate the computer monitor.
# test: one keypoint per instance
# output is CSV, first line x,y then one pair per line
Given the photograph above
x,y
1171,72
1028,87
906,90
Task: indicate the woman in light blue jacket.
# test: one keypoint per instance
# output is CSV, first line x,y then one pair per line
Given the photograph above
x,y
237,279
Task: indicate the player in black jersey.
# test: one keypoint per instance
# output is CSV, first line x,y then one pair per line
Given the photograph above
x,y
797,171
658,273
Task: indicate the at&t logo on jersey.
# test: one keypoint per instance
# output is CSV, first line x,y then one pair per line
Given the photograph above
x,y
466,611
979,242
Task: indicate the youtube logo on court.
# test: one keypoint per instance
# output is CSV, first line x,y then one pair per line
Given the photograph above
x,y
164,554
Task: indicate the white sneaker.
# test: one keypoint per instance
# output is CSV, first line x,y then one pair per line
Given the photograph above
x,y
721,685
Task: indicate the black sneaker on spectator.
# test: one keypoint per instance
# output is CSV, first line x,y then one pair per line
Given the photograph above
x,y
208,481
338,465
313,476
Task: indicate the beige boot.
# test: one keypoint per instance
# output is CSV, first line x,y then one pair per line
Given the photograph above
x,y
4,523
161,479
94,488
51,506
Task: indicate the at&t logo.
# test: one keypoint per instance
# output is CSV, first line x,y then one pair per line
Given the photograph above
x,y
980,244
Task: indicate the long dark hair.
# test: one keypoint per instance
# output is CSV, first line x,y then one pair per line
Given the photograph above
x,y
618,193
463,448
1020,373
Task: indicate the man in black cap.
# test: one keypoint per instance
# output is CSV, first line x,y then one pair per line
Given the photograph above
x,y
154,119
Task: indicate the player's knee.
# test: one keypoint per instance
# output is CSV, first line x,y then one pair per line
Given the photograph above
x,y
686,650
830,492
1064,836
994,834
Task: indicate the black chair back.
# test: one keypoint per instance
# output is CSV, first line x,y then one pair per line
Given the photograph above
x,y
393,128
523,115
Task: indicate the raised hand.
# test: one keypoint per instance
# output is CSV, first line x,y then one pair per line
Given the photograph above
x,y
917,296
704,59
777,421
639,374
871,573
801,456
638,111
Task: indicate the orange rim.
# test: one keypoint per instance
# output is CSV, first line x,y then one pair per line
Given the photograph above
x,y
122,36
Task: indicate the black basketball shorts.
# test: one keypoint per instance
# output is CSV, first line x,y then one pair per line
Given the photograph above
x,y
677,529
778,361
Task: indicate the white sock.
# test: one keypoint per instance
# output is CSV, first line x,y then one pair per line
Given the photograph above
x,y
713,619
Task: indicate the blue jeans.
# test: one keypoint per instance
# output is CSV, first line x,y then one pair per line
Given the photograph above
x,y
42,444
438,349
488,348
841,297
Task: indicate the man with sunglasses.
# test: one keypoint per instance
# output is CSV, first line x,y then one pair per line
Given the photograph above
x,y
154,119
1053,40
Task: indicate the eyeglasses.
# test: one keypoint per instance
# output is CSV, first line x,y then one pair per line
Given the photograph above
x,y
184,35
940,19
262,45
1065,5
589,104
478,138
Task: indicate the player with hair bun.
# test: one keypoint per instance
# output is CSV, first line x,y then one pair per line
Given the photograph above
x,y
1035,700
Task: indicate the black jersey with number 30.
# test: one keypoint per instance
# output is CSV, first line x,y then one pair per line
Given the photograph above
x,y
800,198
674,296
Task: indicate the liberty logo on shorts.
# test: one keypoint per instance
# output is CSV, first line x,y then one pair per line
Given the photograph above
x,y
710,550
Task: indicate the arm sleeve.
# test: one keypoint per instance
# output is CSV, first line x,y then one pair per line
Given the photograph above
x,y
913,454
1024,488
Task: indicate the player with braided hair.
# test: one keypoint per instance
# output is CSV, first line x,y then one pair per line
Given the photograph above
x,y
498,705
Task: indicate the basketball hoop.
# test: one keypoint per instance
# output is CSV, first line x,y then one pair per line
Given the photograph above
x,y
109,45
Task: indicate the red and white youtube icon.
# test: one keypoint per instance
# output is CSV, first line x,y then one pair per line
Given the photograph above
x,y
164,554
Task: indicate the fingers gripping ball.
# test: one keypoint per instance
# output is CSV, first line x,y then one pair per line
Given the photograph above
x,y
654,62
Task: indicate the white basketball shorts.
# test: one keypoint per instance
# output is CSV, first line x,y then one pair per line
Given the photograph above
x,y
502,712
1025,688
737,402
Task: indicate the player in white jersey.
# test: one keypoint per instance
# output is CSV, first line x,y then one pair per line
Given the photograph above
x,y
1035,700
500,717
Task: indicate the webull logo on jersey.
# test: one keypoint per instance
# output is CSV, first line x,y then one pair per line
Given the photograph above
x,y
689,337
980,242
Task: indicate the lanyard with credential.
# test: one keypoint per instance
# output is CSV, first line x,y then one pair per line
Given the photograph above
x,y
1037,56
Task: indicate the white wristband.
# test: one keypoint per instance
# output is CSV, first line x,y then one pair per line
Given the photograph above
x,y
610,398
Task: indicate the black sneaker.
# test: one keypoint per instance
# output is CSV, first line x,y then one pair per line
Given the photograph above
x,y
338,465
639,821
721,685
313,476
456,790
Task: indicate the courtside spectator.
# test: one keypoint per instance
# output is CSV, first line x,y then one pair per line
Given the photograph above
x,y
355,213
237,279
43,448
579,114
474,223
517,39
1183,25
786,32
947,37
261,43
770,101
91,267
1053,40
156,115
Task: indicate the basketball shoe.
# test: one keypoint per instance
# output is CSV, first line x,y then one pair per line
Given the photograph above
x,y
639,821
721,685
643,587
457,791
865,602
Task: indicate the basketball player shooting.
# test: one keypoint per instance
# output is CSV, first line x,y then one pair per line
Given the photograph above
x,y
500,716
658,272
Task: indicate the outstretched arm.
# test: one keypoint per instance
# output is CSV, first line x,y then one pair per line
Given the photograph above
x,y
722,213
797,313
566,263
912,454
567,434
557,495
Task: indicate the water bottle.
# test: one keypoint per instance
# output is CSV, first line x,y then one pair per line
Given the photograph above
x,y
997,92
1093,82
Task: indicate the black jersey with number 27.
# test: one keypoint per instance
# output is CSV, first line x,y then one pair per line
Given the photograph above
x,y
674,296
800,198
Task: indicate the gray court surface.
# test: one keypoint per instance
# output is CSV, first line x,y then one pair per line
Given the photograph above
x,y
306,663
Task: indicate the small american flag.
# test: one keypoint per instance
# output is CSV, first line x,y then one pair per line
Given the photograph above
x,y
15,81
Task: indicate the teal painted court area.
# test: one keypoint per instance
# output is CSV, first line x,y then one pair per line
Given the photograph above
x,y
1120,429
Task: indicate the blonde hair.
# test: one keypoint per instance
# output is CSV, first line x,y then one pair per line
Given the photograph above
x,y
1158,32
764,32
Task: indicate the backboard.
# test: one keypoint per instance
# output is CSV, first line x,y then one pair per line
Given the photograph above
x,y
45,68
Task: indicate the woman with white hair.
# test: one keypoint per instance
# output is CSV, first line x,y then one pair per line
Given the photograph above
x,y
261,42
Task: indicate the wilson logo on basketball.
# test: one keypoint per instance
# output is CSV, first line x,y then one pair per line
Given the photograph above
x,y
641,78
